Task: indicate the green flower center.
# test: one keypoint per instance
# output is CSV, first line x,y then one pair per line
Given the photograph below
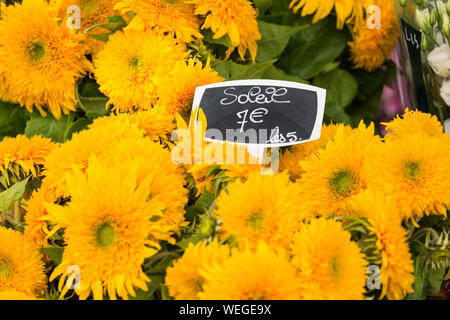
x,y
255,220
90,6
256,296
413,171
334,268
342,182
36,51
170,1
136,63
5,269
105,235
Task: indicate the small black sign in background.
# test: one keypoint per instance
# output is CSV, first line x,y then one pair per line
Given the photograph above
x,y
413,39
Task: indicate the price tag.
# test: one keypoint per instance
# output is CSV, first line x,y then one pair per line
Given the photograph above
x,y
413,39
261,113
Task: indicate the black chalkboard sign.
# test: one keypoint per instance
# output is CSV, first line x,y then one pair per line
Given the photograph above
x,y
261,112
413,39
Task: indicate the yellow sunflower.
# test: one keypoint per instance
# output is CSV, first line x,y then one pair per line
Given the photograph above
x,y
335,174
397,266
22,156
156,123
415,170
184,280
265,207
92,12
108,230
177,92
235,18
166,186
331,266
129,65
48,59
37,228
372,46
174,17
346,10
290,160
262,274
21,267
15,295
74,154
412,122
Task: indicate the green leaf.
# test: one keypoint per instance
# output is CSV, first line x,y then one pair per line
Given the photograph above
x,y
47,127
313,49
274,39
234,71
11,195
194,239
55,253
278,74
341,89
12,119
90,99
263,5
208,36
76,126
114,24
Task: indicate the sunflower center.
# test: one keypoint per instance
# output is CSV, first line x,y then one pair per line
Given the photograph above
x,y
197,284
342,182
170,1
90,6
255,220
334,268
5,269
413,170
256,296
136,63
36,51
105,235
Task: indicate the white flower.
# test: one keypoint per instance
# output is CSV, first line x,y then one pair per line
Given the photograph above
x,y
447,126
445,92
439,60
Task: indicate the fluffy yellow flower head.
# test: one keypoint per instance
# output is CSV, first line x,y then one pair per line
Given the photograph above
x,y
15,295
265,207
173,17
36,227
397,267
92,12
75,154
48,59
290,160
108,230
21,267
166,186
331,266
372,46
335,174
156,122
177,93
346,10
184,280
262,274
235,18
130,64
24,154
415,170
412,122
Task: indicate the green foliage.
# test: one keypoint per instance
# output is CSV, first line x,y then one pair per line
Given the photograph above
x,y
12,119
12,194
55,253
114,24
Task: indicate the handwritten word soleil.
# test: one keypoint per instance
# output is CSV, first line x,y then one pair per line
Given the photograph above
x,y
255,95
